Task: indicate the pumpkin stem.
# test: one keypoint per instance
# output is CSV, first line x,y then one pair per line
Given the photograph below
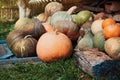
x,y
71,10
56,31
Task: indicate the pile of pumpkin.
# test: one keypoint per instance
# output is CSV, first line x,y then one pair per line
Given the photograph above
x,y
103,34
50,34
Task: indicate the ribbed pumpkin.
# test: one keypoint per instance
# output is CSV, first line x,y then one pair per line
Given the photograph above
x,y
25,47
53,46
112,47
96,26
34,28
99,40
14,36
53,7
20,23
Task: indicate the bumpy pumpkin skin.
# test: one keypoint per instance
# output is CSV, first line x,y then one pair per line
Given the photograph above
x,y
53,46
112,47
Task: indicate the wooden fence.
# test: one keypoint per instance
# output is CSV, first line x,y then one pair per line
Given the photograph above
x,y
9,10
9,14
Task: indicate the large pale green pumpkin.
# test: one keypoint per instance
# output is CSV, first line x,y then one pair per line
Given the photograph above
x,y
60,16
63,22
99,40
82,17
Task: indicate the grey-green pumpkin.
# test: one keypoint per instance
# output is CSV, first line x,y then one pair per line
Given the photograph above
x,y
99,40
86,42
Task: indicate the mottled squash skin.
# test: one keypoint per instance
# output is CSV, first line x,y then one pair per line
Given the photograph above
x,y
112,47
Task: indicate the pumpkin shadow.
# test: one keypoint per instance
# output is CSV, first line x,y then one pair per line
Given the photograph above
x,y
107,70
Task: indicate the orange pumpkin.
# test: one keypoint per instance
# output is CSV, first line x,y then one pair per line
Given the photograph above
x,y
108,21
48,27
53,46
111,31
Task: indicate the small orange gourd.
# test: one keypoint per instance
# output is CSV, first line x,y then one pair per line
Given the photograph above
x,y
53,46
108,21
111,31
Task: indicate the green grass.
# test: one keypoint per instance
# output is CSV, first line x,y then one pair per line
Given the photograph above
x,y
60,70
5,28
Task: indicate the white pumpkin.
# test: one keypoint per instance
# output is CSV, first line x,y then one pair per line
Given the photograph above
x,y
96,26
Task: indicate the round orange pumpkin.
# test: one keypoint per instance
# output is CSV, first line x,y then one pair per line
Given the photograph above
x,y
53,46
108,21
111,31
